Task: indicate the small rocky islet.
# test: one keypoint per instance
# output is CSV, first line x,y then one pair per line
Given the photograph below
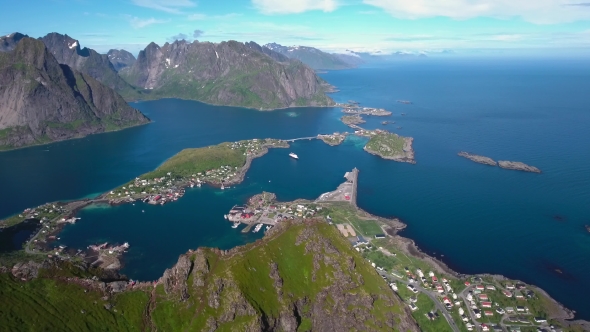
x,y
513,165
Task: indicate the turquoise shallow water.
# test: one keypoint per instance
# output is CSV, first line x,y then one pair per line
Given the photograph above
x,y
482,219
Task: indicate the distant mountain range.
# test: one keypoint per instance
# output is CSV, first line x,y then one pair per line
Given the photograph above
x,y
43,101
227,73
316,58
53,88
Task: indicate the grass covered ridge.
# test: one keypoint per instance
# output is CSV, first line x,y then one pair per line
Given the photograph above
x,y
192,161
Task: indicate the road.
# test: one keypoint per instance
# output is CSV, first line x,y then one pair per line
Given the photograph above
x,y
431,295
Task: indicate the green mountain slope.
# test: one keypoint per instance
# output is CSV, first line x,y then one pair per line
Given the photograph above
x,y
300,277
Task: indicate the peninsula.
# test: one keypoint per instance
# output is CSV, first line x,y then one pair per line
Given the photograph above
x,y
478,159
320,261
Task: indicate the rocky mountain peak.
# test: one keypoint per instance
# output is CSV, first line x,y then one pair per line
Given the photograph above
x,y
8,42
120,59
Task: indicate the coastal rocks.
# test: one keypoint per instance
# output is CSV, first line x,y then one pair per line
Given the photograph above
x,y
518,166
514,165
478,159
174,279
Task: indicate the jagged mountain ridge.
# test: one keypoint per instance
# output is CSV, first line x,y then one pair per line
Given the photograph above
x,y
42,101
68,51
301,277
313,57
120,59
227,73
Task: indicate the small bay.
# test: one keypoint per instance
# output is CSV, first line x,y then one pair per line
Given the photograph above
x,y
481,218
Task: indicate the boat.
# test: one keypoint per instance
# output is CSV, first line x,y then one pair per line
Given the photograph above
x,y
222,187
225,216
257,228
235,225
293,155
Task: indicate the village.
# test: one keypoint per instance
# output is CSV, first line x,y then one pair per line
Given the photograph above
x,y
171,186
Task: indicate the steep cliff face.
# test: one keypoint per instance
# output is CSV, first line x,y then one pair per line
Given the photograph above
x,y
120,59
67,50
311,56
228,73
42,101
301,277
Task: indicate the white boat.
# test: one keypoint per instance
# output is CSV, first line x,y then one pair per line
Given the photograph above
x,y
225,216
257,228
222,187
235,225
293,155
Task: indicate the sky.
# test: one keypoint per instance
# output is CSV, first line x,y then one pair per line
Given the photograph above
x,y
464,26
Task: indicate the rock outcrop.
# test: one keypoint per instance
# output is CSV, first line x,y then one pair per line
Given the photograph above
x,y
518,166
227,73
478,159
42,101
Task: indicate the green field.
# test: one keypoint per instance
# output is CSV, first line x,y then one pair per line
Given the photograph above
x,y
193,161
344,213
386,144
47,304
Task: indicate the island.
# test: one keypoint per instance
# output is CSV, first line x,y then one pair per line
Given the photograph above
x,y
391,146
333,139
514,165
320,264
478,159
352,119
518,166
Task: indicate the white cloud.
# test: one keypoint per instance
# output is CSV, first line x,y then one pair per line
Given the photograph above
x,y
535,11
168,6
294,6
200,16
138,23
197,17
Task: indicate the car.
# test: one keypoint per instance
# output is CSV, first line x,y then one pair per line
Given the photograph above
x,y
413,289
500,311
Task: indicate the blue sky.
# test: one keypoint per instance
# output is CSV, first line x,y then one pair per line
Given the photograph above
x,y
548,26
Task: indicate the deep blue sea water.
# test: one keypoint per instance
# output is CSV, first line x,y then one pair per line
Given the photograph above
x,y
481,218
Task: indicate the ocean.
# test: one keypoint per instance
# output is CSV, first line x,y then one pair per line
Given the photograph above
x,y
476,218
